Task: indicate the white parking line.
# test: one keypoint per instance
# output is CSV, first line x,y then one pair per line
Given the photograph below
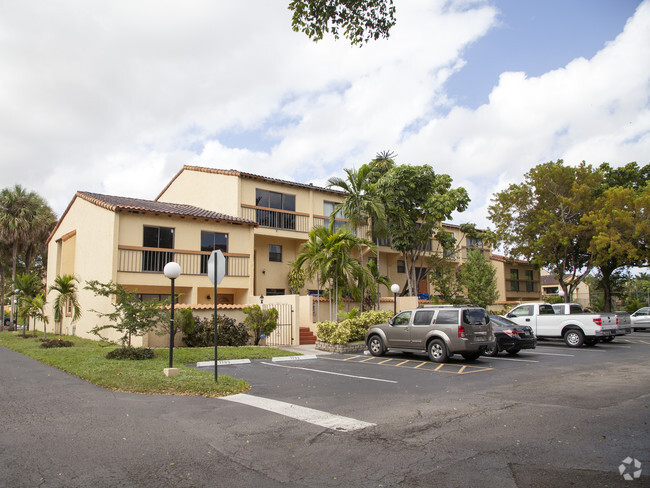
x,y
511,359
330,372
316,417
223,362
553,354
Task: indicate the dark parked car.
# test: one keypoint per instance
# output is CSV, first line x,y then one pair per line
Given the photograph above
x,y
510,337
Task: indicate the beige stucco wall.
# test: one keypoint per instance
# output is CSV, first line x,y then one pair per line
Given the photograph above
x,y
211,191
90,257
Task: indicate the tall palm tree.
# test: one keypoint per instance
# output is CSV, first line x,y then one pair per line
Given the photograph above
x,y
362,206
23,217
27,286
66,287
327,255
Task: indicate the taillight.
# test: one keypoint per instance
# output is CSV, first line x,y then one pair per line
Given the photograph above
x,y
511,332
461,331
616,320
598,321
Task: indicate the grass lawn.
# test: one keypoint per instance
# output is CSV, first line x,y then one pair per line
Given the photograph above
x,y
87,360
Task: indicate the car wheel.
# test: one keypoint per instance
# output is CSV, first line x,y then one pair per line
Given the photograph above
x,y
376,346
514,351
471,356
574,338
607,339
491,350
437,351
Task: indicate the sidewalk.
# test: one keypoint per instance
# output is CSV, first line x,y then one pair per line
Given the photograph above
x,y
305,349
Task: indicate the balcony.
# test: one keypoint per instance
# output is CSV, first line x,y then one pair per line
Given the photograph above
x,y
276,219
320,221
522,286
153,260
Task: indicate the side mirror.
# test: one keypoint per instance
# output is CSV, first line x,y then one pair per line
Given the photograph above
x,y
391,321
509,315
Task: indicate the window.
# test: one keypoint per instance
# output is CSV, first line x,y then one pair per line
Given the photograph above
x,y
530,284
212,241
68,308
401,266
328,209
449,317
158,237
477,243
545,310
275,200
514,280
523,311
274,291
423,317
402,319
275,254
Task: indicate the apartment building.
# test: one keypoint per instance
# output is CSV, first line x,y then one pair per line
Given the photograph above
x,y
259,223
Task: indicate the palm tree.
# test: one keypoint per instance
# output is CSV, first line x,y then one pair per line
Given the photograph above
x,y
35,308
24,219
66,287
26,287
361,206
327,255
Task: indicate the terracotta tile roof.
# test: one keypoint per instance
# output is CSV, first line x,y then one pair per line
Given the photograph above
x,y
117,204
232,172
505,259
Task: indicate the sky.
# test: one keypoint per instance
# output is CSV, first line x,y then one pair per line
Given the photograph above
x,y
115,97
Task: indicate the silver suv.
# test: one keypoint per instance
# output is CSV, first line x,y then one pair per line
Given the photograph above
x,y
440,330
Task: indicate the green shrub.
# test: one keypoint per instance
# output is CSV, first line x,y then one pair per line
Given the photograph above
x,y
128,352
230,333
351,330
56,343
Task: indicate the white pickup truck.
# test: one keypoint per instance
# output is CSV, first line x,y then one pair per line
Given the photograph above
x,y
575,329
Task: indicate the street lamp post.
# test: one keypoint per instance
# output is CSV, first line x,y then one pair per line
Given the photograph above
x,y
172,271
395,289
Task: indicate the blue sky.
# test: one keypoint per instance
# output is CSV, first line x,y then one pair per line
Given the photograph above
x,y
115,97
537,37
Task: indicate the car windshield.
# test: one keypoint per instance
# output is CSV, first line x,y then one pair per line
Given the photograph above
x,y
495,319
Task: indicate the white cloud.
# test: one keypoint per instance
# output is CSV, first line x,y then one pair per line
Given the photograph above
x,y
114,97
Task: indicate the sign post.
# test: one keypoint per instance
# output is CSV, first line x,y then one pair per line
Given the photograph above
x,y
216,272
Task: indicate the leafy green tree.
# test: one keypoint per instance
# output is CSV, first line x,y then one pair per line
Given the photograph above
x,y
66,287
296,279
28,286
417,201
443,262
357,20
619,224
478,277
130,316
541,220
260,321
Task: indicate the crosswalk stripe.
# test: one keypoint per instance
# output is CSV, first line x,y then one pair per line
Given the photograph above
x,y
316,417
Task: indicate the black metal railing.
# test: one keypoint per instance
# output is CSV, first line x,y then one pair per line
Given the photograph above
x,y
148,260
276,219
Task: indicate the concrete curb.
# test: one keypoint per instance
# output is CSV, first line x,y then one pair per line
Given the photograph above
x,y
205,364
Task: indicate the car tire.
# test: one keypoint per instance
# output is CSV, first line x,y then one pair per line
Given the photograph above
x,y
491,351
376,346
437,351
574,338
471,356
514,351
